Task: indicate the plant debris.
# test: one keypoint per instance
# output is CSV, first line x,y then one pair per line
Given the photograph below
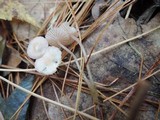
x,y
14,9
101,70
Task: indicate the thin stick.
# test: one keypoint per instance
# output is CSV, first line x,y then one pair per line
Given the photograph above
x,y
2,89
128,11
142,60
17,70
15,38
70,117
90,84
44,104
117,107
65,77
158,112
55,92
112,102
95,97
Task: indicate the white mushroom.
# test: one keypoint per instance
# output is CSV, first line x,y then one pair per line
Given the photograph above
x,y
37,47
71,30
61,34
49,62
56,34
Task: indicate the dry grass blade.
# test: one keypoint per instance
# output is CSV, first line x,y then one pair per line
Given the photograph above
x,y
64,81
142,61
158,112
44,104
2,88
53,85
17,70
15,37
128,11
117,107
123,102
91,84
80,92
83,111
153,67
84,12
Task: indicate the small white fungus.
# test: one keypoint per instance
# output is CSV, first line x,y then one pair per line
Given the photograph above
x,y
37,47
61,34
49,62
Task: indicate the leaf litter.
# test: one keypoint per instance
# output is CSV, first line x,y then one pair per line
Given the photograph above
x,y
120,63
14,9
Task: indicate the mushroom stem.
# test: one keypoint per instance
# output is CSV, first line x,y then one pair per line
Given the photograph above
x,y
95,93
90,82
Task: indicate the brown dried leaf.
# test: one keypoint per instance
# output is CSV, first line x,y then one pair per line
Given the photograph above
x,y
14,9
14,59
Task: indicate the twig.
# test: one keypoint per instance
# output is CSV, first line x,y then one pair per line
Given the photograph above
x,y
128,11
44,104
17,70
158,112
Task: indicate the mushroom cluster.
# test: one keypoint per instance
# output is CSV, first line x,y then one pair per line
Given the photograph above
x,y
48,58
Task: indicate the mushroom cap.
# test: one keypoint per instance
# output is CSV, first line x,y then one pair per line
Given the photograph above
x,y
37,47
49,62
69,29
61,34
56,34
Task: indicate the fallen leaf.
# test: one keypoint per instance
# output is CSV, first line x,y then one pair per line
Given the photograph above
x,y
11,57
9,107
13,9
14,58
